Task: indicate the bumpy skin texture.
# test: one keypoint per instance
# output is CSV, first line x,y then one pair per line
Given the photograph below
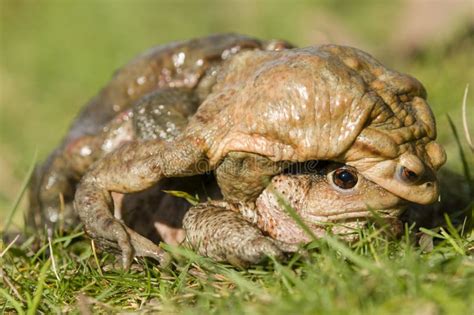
x,y
219,231
260,111
318,103
104,123
264,228
323,103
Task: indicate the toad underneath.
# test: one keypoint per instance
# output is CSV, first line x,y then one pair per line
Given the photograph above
x,y
326,130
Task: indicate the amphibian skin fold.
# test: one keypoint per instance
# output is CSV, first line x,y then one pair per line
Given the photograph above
x,y
254,125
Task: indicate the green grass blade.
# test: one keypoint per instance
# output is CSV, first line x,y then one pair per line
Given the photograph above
x,y
16,305
295,216
18,198
39,289
431,233
349,254
182,194
451,229
453,242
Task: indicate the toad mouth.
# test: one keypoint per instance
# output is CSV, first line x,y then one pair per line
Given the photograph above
x,y
361,216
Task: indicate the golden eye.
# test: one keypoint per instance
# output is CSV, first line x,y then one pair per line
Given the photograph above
x,y
344,178
408,175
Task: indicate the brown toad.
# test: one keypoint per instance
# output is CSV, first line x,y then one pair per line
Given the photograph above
x,y
182,73
259,113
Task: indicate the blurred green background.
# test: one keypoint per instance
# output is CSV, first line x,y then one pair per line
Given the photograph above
x,y
55,55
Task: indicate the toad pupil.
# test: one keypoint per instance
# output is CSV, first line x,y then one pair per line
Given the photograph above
x,y
409,175
344,178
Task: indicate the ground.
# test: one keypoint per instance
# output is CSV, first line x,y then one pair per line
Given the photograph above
x,y
55,55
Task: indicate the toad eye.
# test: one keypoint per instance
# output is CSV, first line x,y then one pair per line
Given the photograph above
x,y
408,175
344,178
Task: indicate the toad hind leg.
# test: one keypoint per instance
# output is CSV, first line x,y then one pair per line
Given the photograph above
x,y
133,167
224,235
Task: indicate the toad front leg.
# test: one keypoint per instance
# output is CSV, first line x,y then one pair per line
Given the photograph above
x,y
133,167
218,231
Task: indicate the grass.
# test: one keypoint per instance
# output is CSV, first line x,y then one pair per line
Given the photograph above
x,y
55,55
423,272
376,275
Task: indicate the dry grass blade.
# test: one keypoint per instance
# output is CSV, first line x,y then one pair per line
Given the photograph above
x,y
6,280
96,259
467,173
4,277
53,261
9,245
464,119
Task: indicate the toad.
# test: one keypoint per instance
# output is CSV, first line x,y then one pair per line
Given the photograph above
x,y
104,123
249,119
